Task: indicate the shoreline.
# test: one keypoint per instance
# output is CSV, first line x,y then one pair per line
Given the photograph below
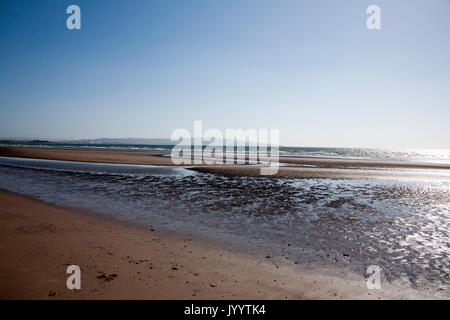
x,y
129,157
123,261
304,168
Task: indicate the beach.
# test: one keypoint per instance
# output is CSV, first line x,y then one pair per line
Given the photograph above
x,y
114,221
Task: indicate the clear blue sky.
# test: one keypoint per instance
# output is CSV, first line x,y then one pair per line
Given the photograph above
x,y
310,68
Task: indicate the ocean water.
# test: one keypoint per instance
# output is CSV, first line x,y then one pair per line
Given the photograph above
x,y
401,225
425,155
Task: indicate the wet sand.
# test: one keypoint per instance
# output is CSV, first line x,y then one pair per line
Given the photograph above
x,y
327,173
319,162
123,261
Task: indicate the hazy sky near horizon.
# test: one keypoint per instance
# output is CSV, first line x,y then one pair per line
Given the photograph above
x,y
309,68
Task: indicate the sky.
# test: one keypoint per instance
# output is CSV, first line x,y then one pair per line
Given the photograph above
x,y
311,69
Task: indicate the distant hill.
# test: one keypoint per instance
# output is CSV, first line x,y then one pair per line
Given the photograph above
x,y
122,141
106,141
92,141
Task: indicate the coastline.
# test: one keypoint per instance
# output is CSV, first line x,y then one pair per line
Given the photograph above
x,y
289,168
125,261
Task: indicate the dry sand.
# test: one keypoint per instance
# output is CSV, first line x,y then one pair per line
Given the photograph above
x,y
122,261
87,155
